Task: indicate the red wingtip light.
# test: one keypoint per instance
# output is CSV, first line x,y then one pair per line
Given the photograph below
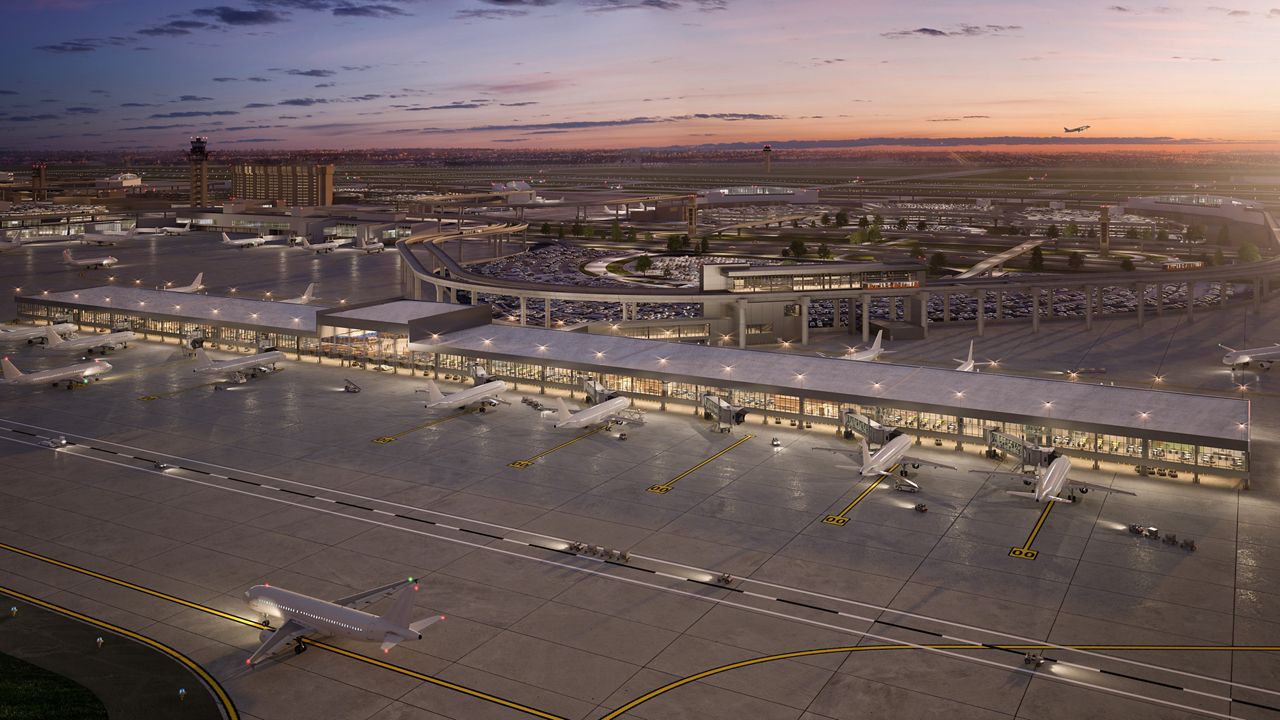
x,y
386,651
415,587
441,617
248,661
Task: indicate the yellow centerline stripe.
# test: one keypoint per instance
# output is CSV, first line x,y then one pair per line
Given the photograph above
x,y
245,621
700,465
389,438
228,707
952,646
1044,515
179,391
530,460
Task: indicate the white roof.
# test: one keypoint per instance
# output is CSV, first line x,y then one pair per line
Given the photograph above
x,y
194,307
396,311
1057,403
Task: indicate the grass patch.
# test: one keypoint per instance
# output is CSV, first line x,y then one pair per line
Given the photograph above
x,y
616,267
28,692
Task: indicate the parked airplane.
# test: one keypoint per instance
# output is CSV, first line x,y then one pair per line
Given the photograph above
x,y
238,370
967,364
89,343
1052,481
370,246
607,413
78,374
179,230
195,285
106,237
324,247
485,396
1264,356
7,243
304,298
244,242
871,354
34,334
306,616
893,452
1082,128
88,263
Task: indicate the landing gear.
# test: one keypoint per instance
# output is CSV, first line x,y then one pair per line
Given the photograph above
x,y
915,466
903,472
299,648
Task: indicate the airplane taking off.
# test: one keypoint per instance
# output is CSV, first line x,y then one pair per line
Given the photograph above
x,y
33,334
1052,481
72,375
306,616
109,341
1264,356
243,243
88,263
194,286
871,354
304,298
607,413
893,452
1082,128
485,395
238,370
324,247
179,230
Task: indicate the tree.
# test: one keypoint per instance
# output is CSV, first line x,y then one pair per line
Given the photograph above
x,y
1037,259
615,232
1219,258
877,220
937,261
704,244
798,248
1127,265
825,219
631,234
1131,234
648,237
1052,233
873,233
922,226
864,222
1075,261
1073,230
673,243
560,232
1162,236
1093,232
824,252
915,249
1248,253
1195,233
1146,235
902,223
546,228
786,252
644,264
795,223
842,218
576,229
1224,236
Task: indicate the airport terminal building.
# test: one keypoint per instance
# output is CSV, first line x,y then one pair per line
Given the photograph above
x,y
1143,428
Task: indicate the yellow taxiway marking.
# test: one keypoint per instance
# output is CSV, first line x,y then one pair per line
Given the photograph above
x,y
315,643
392,438
179,391
1025,552
666,486
951,646
842,517
228,706
521,464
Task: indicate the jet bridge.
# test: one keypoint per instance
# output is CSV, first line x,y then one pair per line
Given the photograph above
x,y
596,392
876,434
1030,454
724,413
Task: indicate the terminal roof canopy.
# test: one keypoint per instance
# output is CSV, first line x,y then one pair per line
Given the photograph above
x,y
398,312
214,309
1055,403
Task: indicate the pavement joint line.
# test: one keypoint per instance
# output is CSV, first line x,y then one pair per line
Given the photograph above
x,y
521,464
1025,552
1082,649
224,700
245,621
668,485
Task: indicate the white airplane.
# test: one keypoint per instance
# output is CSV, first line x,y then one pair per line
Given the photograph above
x,y
370,246
1264,356
883,461
178,230
871,354
193,287
1082,128
324,247
607,413
304,298
7,243
1052,481
89,343
106,237
243,243
72,375
88,263
34,334
967,364
238,370
306,616
485,395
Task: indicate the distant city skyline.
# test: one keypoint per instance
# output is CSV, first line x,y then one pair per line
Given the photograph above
x,y
296,74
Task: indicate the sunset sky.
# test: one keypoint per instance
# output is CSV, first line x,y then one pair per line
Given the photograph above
x,y
97,74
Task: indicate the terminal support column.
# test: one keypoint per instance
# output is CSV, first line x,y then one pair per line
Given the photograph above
x,y
804,320
866,318
1159,299
523,309
1088,307
1223,287
1052,297
853,315
740,310
1191,302
1035,311
982,311
546,312
999,304
922,307
1140,292
946,307
1257,294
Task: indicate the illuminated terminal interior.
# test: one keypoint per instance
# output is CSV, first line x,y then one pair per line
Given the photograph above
x,y
1159,431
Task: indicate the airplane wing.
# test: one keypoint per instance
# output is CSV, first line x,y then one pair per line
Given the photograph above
x,y
1102,488
1007,474
926,463
365,598
285,634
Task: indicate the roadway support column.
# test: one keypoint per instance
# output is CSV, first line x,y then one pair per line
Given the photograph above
x,y
866,318
740,311
1223,287
946,307
999,304
1140,292
1257,294
804,320
546,312
1088,307
1159,299
1050,299
439,294
982,311
1035,310
1191,302
922,306
523,309
853,315
475,297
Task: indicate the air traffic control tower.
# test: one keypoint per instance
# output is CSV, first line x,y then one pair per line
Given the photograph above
x,y
198,156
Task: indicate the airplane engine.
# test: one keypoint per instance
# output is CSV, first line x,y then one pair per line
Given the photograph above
x,y
265,635
1084,491
1028,482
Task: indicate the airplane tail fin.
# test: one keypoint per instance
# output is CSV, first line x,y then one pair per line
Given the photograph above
x,y
51,337
203,358
879,336
1065,129
10,372
225,240
198,282
433,391
402,607
66,255
305,243
866,454
970,358
306,296
562,410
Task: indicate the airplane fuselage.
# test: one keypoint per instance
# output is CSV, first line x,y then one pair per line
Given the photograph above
x,y
325,617
596,414
1263,356
35,333
887,456
470,396
1054,479
240,365
68,374
93,342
